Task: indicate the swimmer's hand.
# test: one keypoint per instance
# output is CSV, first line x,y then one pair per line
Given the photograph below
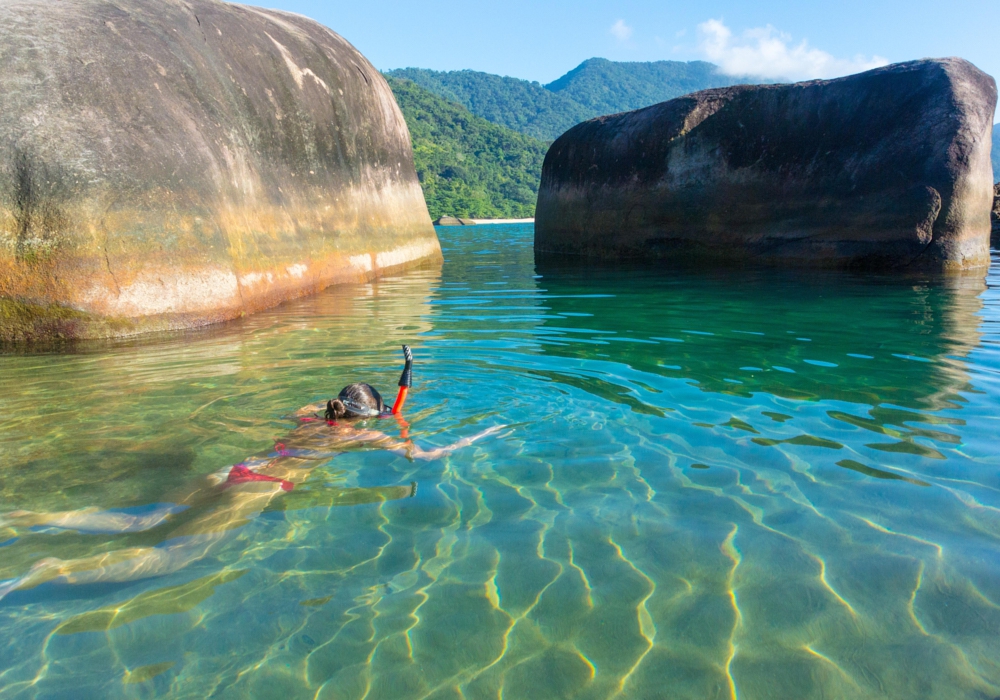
x,y
465,442
417,453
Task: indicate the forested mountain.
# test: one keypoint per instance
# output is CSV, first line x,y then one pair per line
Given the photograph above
x,y
511,102
467,165
595,87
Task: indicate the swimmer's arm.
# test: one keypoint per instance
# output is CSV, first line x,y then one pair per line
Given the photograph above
x,y
414,451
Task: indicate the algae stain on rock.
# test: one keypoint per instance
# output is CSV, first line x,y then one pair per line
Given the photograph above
x,y
165,601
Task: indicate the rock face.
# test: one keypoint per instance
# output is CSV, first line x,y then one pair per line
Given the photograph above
x,y
169,163
885,169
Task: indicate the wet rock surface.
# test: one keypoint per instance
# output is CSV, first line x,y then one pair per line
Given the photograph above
x,y
886,169
167,164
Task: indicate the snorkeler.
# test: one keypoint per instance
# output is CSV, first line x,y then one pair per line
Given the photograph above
x,y
197,519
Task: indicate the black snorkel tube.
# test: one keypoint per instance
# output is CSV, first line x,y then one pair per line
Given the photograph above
x,y
405,381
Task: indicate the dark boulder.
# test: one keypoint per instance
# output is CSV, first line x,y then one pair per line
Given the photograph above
x,y
995,216
886,169
167,163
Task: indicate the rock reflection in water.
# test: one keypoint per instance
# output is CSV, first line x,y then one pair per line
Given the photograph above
x,y
739,332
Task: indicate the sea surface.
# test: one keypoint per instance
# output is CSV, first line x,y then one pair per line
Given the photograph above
x,y
737,484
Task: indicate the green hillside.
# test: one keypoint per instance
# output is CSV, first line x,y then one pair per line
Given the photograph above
x,y
595,87
467,165
516,104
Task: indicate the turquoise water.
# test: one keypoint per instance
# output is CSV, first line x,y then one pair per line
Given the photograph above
x,y
742,484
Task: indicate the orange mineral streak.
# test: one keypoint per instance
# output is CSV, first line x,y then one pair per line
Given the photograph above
x,y
176,269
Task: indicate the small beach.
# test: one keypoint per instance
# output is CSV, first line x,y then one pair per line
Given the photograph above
x,y
504,221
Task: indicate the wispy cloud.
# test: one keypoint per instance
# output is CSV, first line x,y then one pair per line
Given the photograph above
x,y
621,31
768,53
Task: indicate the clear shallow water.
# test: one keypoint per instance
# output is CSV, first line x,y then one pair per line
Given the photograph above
x,y
749,484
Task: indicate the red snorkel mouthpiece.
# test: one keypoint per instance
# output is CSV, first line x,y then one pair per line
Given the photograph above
x,y
405,381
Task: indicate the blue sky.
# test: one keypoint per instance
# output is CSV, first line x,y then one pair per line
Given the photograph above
x,y
540,40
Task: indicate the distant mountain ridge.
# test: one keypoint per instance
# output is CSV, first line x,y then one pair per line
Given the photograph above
x,y
595,87
609,87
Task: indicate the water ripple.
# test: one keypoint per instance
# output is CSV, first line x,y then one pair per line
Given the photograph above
x,y
712,485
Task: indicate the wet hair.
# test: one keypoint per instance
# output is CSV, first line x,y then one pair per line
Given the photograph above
x,y
355,401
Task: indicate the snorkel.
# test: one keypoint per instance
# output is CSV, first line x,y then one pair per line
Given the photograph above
x,y
405,381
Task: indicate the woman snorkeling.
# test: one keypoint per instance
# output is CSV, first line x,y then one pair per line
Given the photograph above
x,y
197,518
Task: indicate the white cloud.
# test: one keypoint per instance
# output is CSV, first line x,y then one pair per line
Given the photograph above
x,y
768,53
621,31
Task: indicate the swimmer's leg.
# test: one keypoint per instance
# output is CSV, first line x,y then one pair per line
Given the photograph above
x,y
93,520
130,564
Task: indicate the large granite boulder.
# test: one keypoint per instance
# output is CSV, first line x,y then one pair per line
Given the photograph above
x,y
885,169
170,163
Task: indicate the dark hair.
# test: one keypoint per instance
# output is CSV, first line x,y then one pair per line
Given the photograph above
x,y
355,401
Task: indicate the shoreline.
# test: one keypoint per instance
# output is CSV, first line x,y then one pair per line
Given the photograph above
x,y
462,221
530,220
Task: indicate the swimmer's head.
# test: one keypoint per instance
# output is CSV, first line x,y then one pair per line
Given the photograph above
x,y
355,401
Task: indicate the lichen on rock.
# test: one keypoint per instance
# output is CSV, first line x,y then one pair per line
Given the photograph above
x,y
166,164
